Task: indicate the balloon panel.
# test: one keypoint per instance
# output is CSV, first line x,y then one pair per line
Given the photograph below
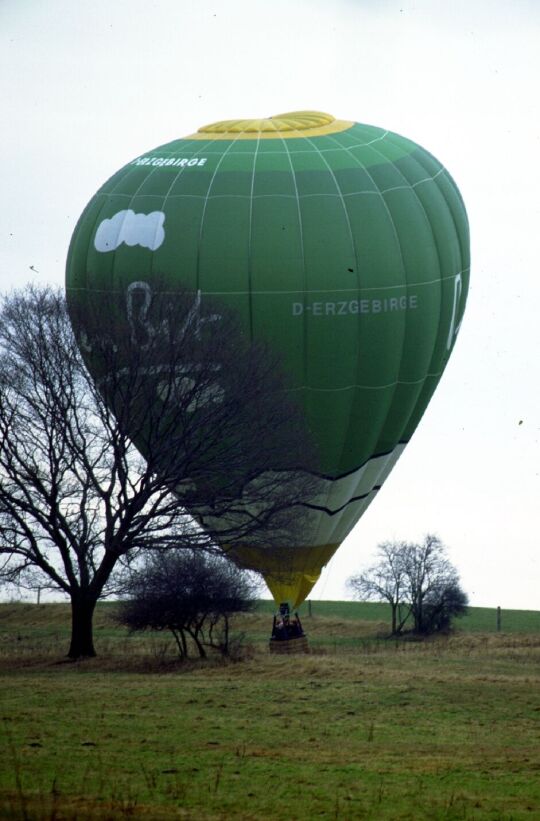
x,y
344,246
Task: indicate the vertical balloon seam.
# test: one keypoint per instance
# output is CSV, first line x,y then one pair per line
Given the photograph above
x,y
183,169
342,200
352,420
107,197
392,399
341,146
304,273
357,267
435,366
446,175
231,145
125,173
304,566
203,212
250,238
412,187
198,149
462,245
355,254
87,273
442,171
435,372
305,318
129,204
361,165
115,256
380,193
432,366
353,248
463,242
75,239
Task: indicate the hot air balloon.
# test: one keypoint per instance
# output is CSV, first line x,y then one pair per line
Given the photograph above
x,y
343,246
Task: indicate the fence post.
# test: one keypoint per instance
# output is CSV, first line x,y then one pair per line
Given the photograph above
x,y
309,607
498,619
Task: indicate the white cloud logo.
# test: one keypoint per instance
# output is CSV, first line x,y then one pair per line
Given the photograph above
x,y
134,229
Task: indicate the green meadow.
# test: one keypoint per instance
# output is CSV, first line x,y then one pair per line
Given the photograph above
x,y
362,727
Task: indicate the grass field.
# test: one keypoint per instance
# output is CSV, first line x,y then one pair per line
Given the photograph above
x,y
361,728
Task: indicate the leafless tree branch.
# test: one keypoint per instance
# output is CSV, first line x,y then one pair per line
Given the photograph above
x,y
170,430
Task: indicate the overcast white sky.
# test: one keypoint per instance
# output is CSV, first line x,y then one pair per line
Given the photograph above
x,y
85,87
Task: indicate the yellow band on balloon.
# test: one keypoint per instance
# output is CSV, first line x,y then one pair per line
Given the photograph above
x,y
293,125
289,572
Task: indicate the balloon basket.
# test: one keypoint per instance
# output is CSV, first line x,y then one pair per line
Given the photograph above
x,y
299,644
287,634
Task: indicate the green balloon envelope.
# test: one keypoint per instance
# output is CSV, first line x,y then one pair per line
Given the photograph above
x,y
342,245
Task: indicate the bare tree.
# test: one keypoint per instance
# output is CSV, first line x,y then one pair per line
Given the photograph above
x,y
418,581
192,594
385,581
181,417
433,588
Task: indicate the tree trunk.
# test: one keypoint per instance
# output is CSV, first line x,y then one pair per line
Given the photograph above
x,y
200,648
225,650
82,638
418,616
180,642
